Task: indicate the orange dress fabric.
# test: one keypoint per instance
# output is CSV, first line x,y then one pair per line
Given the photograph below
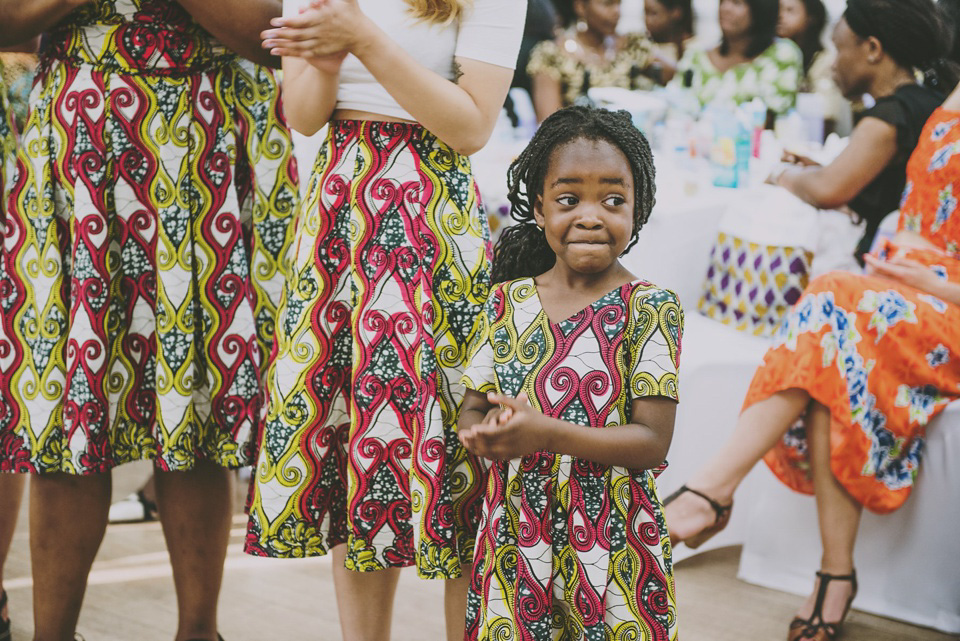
x,y
882,356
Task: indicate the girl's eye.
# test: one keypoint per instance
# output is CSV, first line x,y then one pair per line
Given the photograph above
x,y
614,201
567,201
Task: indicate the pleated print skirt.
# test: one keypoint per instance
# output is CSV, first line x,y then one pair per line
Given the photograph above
x,y
391,267
143,251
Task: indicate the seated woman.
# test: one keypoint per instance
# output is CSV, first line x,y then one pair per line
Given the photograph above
x,y
591,55
862,361
670,26
803,22
875,58
750,61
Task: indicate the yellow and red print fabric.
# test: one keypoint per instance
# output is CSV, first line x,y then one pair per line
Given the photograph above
x,y
883,357
390,269
568,548
144,247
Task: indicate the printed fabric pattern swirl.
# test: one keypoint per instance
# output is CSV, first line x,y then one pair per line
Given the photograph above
x,y
144,247
883,357
569,549
391,268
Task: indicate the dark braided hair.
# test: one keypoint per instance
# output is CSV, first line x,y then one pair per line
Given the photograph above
x,y
522,250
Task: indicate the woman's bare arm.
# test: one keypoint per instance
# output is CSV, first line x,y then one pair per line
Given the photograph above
x,y
462,113
237,24
22,20
872,146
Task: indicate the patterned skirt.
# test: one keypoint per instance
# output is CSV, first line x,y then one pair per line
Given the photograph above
x,y
391,268
882,357
570,550
142,264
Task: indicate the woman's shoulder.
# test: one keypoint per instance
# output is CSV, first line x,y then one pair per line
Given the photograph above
x,y
784,52
636,40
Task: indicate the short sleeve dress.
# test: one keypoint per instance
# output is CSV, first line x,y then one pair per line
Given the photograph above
x,y
883,357
773,76
147,230
624,69
568,548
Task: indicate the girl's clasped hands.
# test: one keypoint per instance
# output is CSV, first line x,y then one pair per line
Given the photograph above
x,y
511,429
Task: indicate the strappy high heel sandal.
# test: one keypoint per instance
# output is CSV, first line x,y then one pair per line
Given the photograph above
x,y
815,628
720,522
5,624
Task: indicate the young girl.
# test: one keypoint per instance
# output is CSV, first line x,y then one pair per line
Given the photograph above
x,y
572,544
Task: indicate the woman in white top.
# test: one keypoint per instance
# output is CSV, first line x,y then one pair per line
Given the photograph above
x,y
390,268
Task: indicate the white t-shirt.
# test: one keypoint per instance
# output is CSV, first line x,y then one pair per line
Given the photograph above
x,y
490,31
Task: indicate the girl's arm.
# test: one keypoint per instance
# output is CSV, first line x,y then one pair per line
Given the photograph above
x,y
21,20
520,430
872,146
237,24
461,113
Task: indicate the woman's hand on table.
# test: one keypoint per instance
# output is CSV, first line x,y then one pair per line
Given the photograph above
x,y
792,158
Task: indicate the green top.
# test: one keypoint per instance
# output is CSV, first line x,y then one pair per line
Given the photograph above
x,y
773,76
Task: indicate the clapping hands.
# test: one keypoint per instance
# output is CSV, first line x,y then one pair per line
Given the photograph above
x,y
323,33
510,430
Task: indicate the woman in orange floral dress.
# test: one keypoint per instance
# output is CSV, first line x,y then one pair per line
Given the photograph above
x,y
865,362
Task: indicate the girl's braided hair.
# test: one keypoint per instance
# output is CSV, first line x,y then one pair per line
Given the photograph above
x,y
522,250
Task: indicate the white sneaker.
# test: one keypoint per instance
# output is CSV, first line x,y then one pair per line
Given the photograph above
x,y
133,509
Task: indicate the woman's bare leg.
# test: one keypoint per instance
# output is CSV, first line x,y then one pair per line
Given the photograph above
x,y
758,429
195,508
455,604
68,516
11,493
838,514
364,599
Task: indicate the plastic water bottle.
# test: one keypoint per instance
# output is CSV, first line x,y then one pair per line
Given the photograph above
x,y
812,109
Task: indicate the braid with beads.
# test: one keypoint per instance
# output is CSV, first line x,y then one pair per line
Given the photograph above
x,y
522,250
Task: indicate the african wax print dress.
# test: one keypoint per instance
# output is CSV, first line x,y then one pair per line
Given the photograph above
x,y
390,269
624,68
569,549
883,357
144,246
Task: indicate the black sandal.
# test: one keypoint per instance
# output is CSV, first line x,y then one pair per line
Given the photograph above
x,y
815,628
720,522
5,624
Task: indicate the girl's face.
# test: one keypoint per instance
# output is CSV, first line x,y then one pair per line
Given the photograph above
x,y
587,206
601,16
793,19
735,18
660,20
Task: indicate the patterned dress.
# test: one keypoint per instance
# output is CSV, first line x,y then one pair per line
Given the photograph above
x,y
569,549
391,268
883,357
623,69
144,244
774,76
